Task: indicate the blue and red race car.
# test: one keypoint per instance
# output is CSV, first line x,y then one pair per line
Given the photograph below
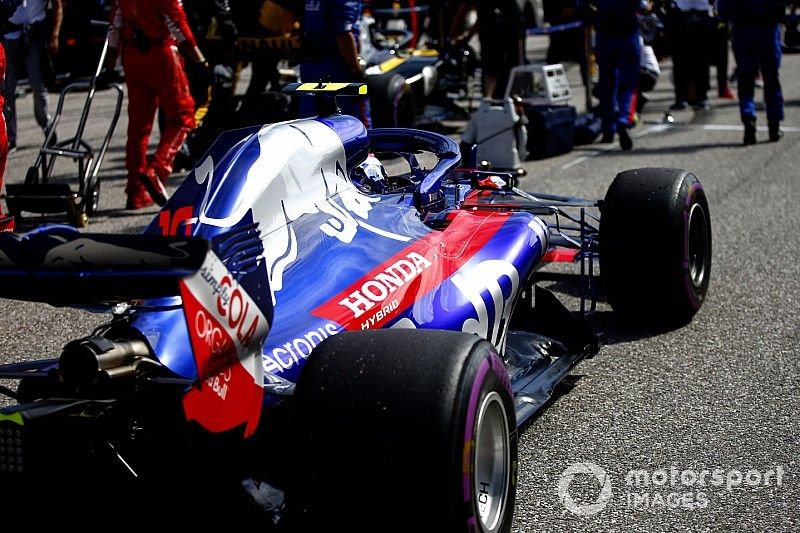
x,y
327,341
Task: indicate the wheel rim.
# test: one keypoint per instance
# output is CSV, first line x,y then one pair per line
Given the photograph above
x,y
698,245
492,462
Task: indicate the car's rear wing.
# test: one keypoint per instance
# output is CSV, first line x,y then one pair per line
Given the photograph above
x,y
60,266
226,325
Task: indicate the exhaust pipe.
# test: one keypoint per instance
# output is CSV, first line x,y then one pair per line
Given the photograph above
x,y
94,360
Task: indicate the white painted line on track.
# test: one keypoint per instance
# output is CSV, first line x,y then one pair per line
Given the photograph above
x,y
720,127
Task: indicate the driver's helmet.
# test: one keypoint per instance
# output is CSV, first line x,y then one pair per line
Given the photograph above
x,y
371,175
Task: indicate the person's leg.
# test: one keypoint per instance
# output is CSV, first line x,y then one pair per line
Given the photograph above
x,y
680,51
510,58
142,105
13,53
178,107
721,38
260,75
770,61
699,42
3,136
629,53
606,85
489,83
746,69
34,59
493,55
3,153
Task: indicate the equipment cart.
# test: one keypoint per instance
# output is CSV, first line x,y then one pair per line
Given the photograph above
x,y
37,194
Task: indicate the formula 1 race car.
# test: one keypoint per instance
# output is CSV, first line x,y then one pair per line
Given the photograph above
x,y
411,86
330,325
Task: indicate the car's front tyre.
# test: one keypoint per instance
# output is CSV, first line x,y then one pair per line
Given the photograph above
x,y
655,245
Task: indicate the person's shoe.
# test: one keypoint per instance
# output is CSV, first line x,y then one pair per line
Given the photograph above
x,y
7,223
625,141
702,105
727,94
678,106
607,138
775,132
12,147
154,187
749,132
138,197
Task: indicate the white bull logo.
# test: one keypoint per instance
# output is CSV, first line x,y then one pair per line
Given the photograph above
x,y
298,172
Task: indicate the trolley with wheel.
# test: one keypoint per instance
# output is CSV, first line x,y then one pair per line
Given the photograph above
x,y
38,194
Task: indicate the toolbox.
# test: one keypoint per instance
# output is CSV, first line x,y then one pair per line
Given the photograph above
x,y
551,130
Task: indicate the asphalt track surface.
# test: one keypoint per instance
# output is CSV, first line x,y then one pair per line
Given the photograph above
x,y
720,394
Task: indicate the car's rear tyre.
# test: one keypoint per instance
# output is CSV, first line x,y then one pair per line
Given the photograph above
x,y
392,102
411,430
655,245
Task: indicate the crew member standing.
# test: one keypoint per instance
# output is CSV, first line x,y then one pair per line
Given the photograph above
x,y
331,37
148,33
28,39
501,32
618,49
756,38
689,26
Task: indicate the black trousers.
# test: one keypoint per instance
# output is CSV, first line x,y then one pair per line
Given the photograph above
x,y
691,38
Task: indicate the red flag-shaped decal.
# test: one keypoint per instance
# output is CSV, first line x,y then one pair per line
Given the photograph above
x,y
227,330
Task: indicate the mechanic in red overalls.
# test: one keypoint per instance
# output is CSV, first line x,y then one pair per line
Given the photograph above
x,y
6,222
148,32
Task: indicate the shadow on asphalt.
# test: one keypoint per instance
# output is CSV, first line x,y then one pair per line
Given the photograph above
x,y
611,327
672,149
563,388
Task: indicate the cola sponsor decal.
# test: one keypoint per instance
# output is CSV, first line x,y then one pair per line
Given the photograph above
x,y
227,330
